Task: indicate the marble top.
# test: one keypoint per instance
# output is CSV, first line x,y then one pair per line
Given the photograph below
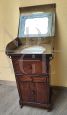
x,y
46,48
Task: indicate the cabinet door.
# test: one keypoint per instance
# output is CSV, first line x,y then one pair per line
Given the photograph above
x,y
42,93
26,91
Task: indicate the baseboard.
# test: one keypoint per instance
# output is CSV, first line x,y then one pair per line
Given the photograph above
x,y
59,87
9,83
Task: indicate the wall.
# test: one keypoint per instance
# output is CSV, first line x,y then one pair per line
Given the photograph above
x,y
9,24
9,17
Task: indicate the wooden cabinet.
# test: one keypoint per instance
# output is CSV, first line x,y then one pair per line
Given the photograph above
x,y
32,77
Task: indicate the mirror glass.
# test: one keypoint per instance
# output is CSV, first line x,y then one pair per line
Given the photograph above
x,y
37,25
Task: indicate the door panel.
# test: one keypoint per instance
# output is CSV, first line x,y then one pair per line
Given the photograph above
x,y
26,90
42,93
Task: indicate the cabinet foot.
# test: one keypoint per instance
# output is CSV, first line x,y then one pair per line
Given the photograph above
x,y
20,103
49,109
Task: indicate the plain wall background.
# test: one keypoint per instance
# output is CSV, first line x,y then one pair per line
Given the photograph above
x,y
9,18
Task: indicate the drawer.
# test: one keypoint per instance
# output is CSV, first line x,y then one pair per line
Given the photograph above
x,y
27,78
29,66
40,79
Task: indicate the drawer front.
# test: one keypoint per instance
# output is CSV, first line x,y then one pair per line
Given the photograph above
x,y
26,78
40,79
29,66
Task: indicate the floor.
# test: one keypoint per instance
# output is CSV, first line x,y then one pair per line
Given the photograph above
x,y
9,104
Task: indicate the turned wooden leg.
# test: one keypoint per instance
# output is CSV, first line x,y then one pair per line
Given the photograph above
x,y
20,103
49,109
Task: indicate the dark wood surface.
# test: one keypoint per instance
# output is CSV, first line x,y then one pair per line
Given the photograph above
x,y
33,87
